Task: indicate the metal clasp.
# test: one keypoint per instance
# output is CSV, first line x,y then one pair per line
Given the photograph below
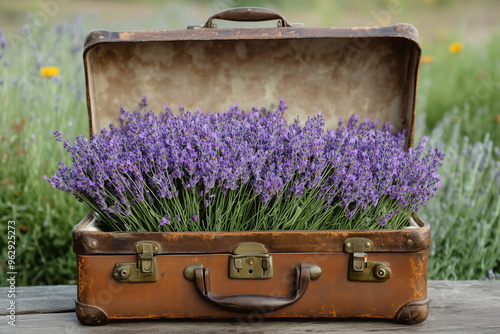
x,y
144,270
250,260
360,269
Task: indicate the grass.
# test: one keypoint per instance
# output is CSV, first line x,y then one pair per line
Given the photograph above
x,y
467,83
31,108
459,97
464,216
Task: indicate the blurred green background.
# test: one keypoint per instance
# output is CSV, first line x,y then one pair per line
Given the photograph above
x,y
458,106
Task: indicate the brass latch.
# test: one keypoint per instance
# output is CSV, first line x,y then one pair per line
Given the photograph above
x,y
360,269
250,260
144,270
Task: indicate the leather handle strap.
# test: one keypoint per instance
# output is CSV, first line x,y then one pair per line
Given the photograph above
x,y
250,303
247,14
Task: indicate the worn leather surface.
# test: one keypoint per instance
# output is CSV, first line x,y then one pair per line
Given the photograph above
x,y
332,295
371,72
86,240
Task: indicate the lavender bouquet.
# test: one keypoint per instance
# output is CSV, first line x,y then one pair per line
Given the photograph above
x,y
235,171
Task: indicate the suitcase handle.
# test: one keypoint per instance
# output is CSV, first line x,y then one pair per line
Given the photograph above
x,y
252,303
247,14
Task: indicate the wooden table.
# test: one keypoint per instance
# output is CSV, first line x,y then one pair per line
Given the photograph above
x,y
456,306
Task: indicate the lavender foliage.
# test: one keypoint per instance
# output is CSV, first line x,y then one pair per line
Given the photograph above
x,y
235,171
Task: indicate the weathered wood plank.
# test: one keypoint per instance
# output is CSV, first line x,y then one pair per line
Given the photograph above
x,y
464,306
42,299
67,323
456,306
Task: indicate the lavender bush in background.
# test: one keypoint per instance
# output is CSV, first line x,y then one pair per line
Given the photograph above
x,y
465,214
238,171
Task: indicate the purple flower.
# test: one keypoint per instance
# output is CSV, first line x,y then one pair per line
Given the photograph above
x,y
26,29
3,42
491,274
165,220
155,163
143,102
384,219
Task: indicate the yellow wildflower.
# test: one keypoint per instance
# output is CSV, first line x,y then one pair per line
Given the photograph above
x,y
455,47
498,118
49,71
427,59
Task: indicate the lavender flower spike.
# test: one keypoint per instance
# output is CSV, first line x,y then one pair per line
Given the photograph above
x,y
234,166
165,221
143,102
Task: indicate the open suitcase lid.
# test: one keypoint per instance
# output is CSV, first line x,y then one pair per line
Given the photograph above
x,y
368,71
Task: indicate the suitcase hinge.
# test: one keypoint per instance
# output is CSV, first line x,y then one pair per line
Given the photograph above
x,y
250,260
360,269
144,270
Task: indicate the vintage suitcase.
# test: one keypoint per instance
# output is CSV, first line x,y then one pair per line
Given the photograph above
x,y
274,274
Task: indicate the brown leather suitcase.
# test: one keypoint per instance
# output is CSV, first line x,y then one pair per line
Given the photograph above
x,y
368,71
